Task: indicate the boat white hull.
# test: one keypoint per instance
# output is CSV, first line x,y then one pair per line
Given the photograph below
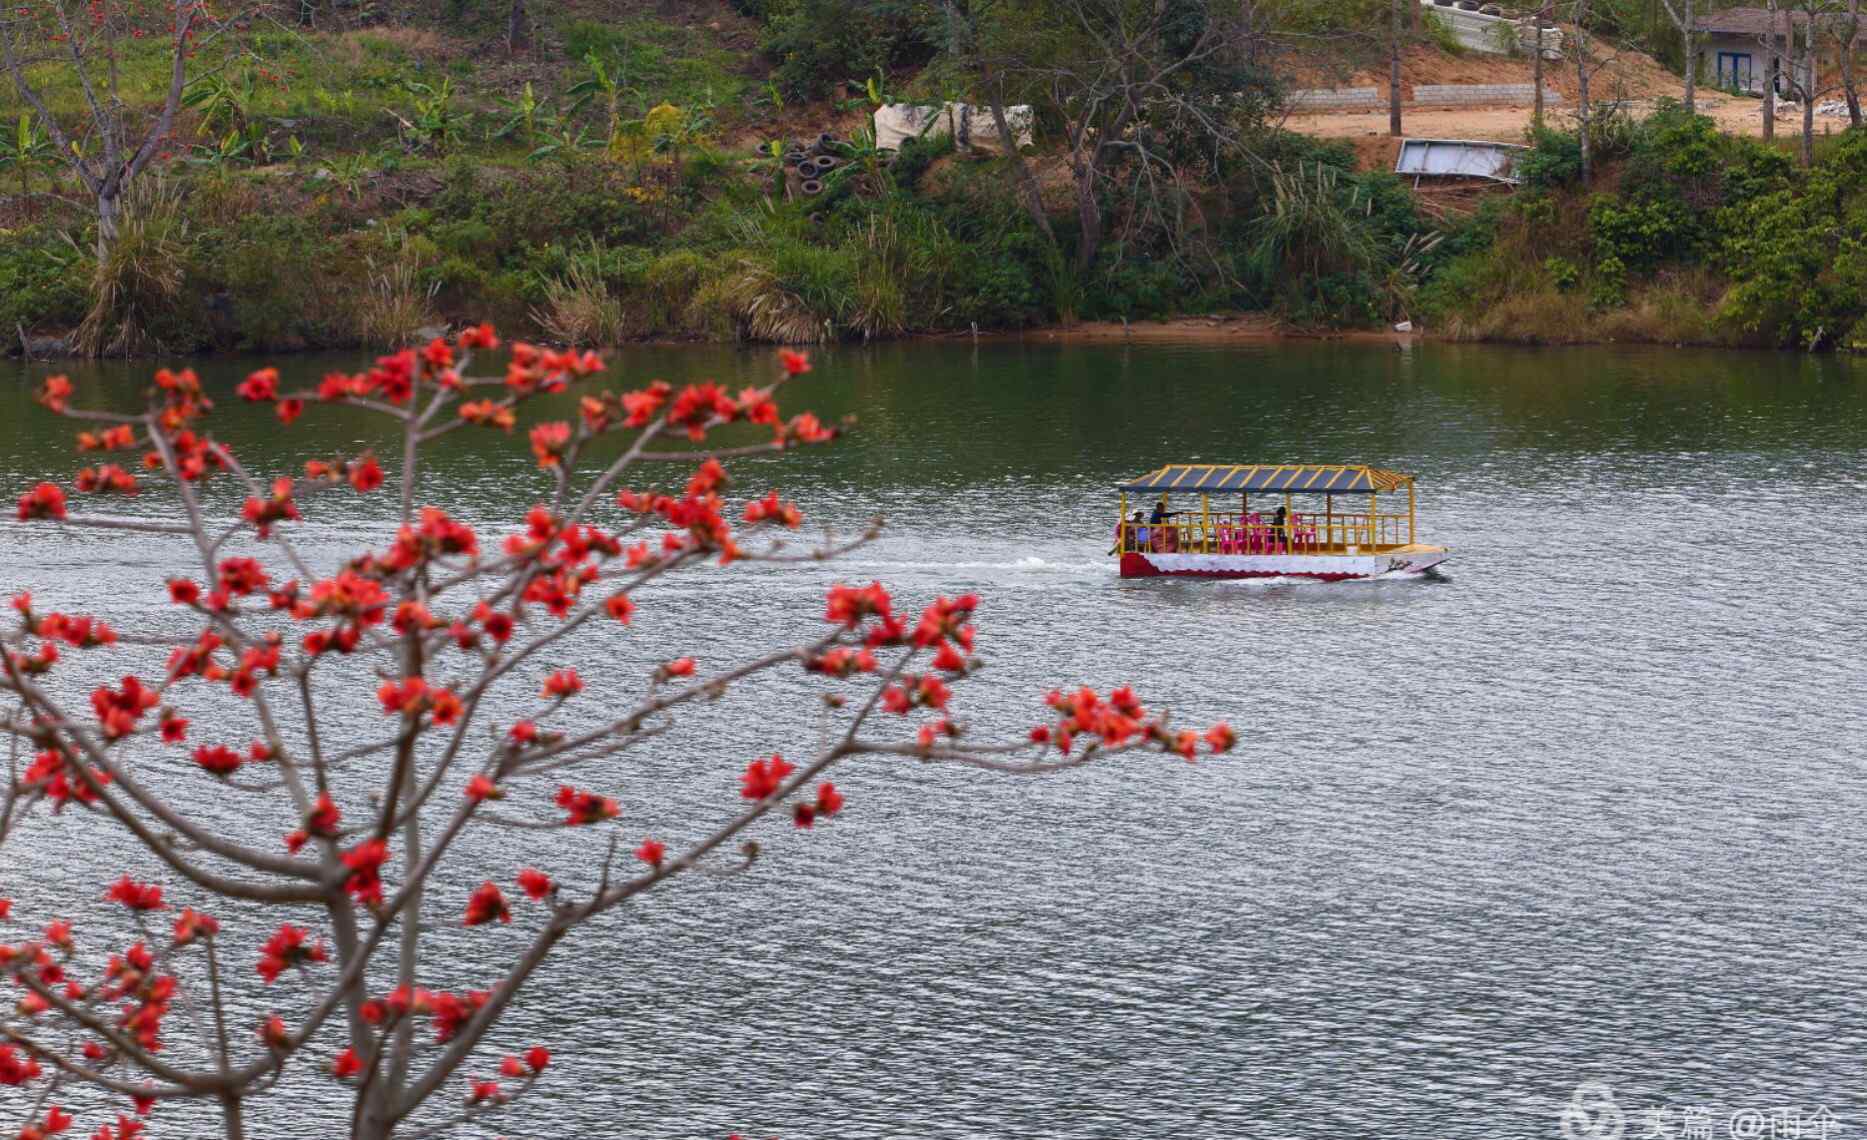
x,y
1323,567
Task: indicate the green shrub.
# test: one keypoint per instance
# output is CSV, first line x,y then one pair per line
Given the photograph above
x,y
41,283
1641,235
819,43
1563,273
1553,162
1607,285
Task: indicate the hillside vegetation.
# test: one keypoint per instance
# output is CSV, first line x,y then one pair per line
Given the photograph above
x,y
619,175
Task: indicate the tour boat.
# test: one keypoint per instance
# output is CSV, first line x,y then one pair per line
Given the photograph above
x,y
1244,521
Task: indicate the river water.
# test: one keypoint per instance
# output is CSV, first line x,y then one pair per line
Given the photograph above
x,y
1587,807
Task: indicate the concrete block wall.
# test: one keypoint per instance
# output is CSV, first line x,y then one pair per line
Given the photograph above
x,y
1474,94
1334,98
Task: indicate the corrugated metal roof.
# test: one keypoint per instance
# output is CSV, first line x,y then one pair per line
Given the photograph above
x,y
1459,158
1294,477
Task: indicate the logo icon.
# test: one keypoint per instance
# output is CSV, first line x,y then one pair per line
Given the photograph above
x,y
1592,1114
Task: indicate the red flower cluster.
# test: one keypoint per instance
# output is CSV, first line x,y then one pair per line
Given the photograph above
x,y
286,948
364,862
486,904
81,632
771,509
280,507
562,685
106,479
218,760
49,775
45,501
116,438
829,801
136,896
413,696
850,606
16,1068
652,852
762,778
193,925
585,807
535,883
320,822
119,709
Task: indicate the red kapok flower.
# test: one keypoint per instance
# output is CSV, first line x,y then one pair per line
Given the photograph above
x,y
652,852
45,501
763,777
535,883
585,807
795,363
487,903
365,862
366,474
537,1057
346,1064
136,896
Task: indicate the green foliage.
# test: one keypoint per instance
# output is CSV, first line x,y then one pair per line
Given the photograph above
x,y
1641,235
818,43
1553,162
1564,274
41,282
1607,285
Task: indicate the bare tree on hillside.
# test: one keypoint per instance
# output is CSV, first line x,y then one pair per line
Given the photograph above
x,y
113,144
1850,39
1394,33
1771,68
1138,85
1684,16
1584,112
1536,65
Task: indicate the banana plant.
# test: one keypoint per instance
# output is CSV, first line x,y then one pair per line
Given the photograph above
x,y
26,148
233,147
523,117
563,144
432,121
223,100
600,86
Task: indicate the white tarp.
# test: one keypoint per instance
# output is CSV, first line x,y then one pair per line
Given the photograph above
x,y
972,127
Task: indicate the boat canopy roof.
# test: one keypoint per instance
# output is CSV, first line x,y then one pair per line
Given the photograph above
x,y
1311,477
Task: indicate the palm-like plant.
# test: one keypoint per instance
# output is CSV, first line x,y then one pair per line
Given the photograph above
x,y
27,148
523,113
603,85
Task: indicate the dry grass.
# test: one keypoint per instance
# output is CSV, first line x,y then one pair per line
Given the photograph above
x,y
394,306
581,310
139,276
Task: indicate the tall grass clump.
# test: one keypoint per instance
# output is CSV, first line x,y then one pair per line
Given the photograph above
x,y
140,275
397,303
580,309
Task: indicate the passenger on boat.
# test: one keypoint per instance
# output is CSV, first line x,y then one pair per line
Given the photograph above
x,y
1280,530
1165,540
1137,533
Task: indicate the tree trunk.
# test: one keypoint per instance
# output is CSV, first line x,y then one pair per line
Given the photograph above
x,y
1808,91
1849,90
1088,215
1582,112
109,209
1393,71
1027,182
1536,71
1691,60
518,28
1769,77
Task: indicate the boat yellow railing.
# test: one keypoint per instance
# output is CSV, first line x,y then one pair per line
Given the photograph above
x,y
1303,532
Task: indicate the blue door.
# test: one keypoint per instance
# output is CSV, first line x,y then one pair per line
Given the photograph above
x,y
1734,71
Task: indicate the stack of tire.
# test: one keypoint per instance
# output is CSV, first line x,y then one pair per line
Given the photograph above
x,y
806,166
